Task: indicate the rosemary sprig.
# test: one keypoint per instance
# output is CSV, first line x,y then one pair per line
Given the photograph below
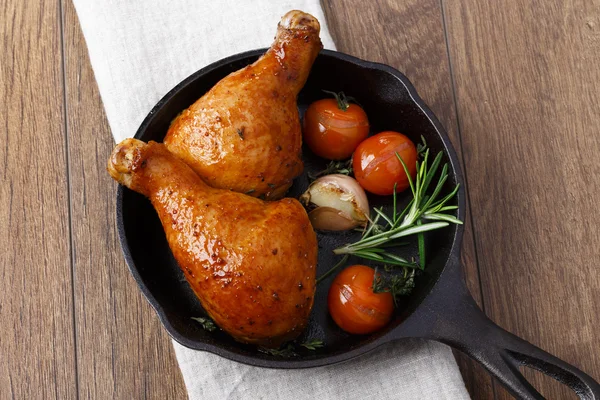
x,y
334,167
424,213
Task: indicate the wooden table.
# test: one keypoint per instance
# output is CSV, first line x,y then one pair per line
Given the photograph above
x,y
516,85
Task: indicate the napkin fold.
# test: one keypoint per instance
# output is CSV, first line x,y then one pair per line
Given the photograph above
x,y
139,50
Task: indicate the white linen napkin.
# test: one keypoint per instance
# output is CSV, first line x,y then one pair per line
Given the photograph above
x,y
139,50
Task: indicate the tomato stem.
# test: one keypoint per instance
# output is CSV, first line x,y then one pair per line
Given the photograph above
x,y
343,102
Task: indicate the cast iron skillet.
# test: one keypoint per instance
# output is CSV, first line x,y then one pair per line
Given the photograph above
x,y
440,308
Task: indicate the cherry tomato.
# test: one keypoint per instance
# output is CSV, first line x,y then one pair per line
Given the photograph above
x,y
376,166
333,127
354,306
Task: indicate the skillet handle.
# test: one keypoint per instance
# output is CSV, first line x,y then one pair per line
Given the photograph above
x,y
455,319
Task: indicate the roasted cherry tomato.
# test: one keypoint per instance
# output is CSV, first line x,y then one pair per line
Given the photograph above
x,y
376,166
354,306
333,127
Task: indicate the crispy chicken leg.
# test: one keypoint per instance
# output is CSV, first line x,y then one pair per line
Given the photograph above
x,y
244,134
251,263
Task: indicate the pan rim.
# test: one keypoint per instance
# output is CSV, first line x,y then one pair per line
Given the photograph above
x,y
293,363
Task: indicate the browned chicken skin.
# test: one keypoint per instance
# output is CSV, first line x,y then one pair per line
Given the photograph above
x,y
244,134
251,263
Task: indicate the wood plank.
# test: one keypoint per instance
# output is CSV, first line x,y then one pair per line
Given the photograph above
x,y
36,308
528,88
122,349
409,35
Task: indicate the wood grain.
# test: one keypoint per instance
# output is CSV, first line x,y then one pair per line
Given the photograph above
x,y
36,308
526,88
409,35
122,349
527,84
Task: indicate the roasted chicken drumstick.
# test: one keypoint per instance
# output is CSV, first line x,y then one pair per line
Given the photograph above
x,y
244,134
250,262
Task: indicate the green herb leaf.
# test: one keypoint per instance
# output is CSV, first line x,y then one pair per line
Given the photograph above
x,y
397,258
206,323
422,147
418,229
421,244
407,172
334,167
287,351
333,269
380,212
397,284
402,285
443,217
393,243
312,344
440,203
369,255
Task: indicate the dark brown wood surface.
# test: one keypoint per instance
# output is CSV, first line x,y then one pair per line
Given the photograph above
x,y
527,81
37,341
516,86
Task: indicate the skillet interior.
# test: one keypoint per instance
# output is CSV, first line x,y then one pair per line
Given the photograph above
x,y
391,104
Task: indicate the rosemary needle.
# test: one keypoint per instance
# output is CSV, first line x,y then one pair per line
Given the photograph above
x,y
332,270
